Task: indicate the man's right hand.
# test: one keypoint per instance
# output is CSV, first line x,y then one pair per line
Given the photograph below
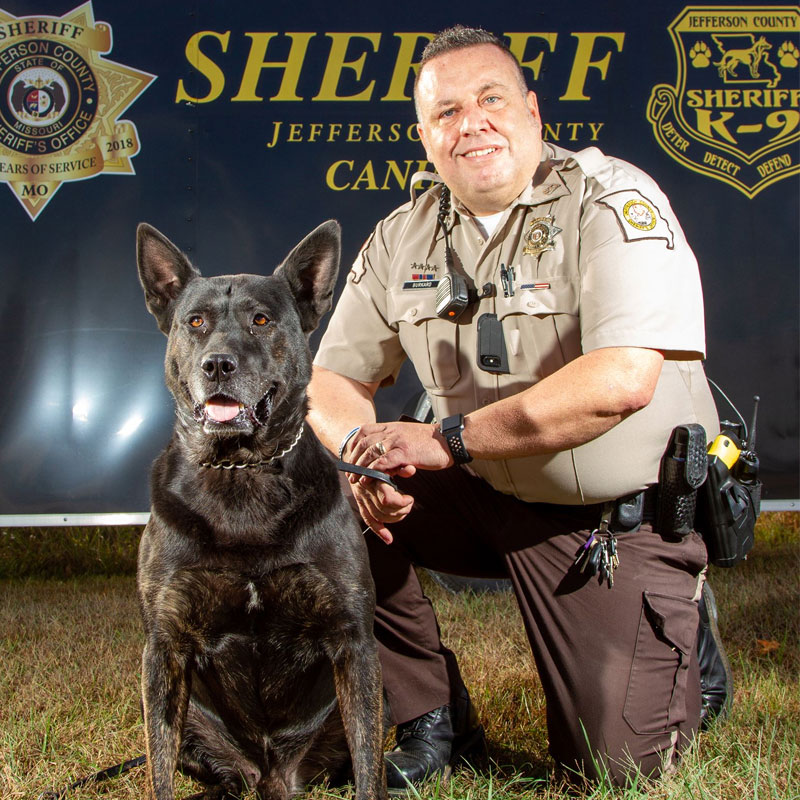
x,y
380,505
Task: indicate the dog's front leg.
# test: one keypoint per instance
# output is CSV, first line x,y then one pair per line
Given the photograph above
x,y
357,675
165,699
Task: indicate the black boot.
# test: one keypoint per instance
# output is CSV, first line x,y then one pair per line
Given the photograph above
x,y
716,680
429,745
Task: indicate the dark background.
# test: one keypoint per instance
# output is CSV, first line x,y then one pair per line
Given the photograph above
x,y
73,326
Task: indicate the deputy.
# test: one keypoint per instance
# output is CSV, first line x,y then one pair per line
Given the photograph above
x,y
556,389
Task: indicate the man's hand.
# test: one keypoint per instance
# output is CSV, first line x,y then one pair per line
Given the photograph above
x,y
380,505
399,449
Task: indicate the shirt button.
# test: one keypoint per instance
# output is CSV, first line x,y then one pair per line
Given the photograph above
x,y
413,312
480,241
532,304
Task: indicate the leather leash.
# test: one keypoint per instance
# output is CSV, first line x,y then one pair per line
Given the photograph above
x,y
344,466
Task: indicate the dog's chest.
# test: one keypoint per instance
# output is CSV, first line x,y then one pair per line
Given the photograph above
x,y
285,618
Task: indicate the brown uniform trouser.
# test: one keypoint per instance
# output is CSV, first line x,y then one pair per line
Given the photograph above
x,y
618,666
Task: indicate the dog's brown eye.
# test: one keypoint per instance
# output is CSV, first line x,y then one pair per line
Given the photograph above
x,y
260,320
196,321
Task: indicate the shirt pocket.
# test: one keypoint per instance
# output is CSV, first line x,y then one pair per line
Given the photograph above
x,y
541,326
430,342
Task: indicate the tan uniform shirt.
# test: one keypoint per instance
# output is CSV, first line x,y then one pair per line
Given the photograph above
x,y
599,260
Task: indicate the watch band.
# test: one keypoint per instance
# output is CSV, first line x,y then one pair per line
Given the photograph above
x,y
451,430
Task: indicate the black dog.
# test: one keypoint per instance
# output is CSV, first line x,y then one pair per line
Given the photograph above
x,y
259,669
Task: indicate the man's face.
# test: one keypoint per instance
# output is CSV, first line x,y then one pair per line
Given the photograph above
x,y
480,129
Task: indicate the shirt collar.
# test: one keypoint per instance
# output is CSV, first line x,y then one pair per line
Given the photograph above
x,y
546,185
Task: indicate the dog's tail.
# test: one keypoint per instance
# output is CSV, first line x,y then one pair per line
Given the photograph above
x,y
103,775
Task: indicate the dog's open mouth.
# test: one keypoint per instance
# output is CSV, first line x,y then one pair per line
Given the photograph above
x,y
221,411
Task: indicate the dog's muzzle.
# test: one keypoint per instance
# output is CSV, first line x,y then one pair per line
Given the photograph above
x,y
221,412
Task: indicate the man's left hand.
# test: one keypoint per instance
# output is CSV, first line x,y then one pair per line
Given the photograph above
x,y
399,448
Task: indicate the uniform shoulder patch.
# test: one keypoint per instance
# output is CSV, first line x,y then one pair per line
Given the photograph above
x,y
360,264
639,218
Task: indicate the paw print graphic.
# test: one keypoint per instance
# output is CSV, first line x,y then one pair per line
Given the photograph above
x,y
700,54
788,55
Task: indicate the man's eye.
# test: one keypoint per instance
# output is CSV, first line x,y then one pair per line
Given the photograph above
x,y
196,321
448,113
492,99
260,320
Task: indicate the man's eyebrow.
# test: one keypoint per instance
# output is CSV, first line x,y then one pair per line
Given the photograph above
x,y
481,89
491,85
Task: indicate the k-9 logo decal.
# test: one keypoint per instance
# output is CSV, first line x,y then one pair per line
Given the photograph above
x,y
734,111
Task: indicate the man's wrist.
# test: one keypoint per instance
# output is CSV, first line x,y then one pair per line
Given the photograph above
x,y
346,440
451,428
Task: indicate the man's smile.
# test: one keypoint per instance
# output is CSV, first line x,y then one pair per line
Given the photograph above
x,y
485,151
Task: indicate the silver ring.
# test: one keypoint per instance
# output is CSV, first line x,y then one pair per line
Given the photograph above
x,y
380,448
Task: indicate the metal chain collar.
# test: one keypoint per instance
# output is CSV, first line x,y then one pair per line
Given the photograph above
x,y
249,464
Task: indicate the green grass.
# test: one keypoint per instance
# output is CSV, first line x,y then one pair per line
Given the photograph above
x,y
70,643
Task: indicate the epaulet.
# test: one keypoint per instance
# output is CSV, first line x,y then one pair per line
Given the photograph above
x,y
420,177
594,164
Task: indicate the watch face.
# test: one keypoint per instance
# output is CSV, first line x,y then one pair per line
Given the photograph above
x,y
453,424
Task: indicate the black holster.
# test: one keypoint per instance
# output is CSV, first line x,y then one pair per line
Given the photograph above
x,y
683,470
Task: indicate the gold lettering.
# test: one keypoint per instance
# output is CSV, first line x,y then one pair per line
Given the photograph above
x,y
331,174
673,135
256,64
404,64
551,134
366,176
337,64
583,62
276,126
518,42
722,164
392,169
205,66
708,126
774,164
412,133
694,98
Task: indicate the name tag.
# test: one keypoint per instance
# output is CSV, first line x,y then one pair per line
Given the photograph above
x,y
420,285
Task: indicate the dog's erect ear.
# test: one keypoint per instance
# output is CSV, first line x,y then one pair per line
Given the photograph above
x,y
311,270
164,272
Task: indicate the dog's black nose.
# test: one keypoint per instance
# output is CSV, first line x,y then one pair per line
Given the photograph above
x,y
219,366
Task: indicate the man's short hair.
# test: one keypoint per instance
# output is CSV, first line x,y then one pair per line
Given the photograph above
x,y
459,37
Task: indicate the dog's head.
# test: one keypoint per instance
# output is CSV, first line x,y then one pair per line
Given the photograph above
x,y
238,361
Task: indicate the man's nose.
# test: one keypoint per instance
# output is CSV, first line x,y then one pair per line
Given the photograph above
x,y
474,120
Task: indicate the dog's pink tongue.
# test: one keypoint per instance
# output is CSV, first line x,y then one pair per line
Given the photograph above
x,y
222,410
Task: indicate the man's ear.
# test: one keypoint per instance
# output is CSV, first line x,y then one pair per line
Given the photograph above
x,y
532,101
164,272
311,270
422,139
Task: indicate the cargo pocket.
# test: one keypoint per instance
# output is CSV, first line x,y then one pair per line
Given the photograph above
x,y
431,343
656,698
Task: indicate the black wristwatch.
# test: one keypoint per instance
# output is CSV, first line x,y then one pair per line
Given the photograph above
x,y
451,430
